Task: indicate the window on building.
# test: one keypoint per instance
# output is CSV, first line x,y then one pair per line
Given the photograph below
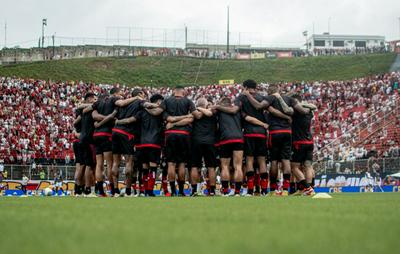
x,y
361,44
338,43
319,43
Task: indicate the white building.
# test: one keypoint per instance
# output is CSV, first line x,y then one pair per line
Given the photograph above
x,y
329,42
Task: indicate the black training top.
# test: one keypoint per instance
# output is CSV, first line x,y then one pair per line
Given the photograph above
x,y
229,127
277,123
151,128
301,127
205,130
178,106
87,129
78,126
248,110
130,110
105,107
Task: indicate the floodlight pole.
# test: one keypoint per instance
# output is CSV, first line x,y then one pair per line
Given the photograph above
x,y
227,34
44,23
5,34
186,36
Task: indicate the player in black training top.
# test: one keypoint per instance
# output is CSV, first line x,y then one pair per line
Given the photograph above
x,y
303,147
87,143
230,143
203,146
177,136
280,133
104,107
255,136
78,152
123,135
150,142
128,132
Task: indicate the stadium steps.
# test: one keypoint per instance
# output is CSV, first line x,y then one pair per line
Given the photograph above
x,y
379,124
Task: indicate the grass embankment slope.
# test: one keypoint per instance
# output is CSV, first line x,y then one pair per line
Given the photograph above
x,y
164,71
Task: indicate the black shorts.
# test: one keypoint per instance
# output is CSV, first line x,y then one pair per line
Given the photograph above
x,y
226,151
88,155
207,152
302,153
122,144
78,152
103,144
255,147
280,146
148,154
177,148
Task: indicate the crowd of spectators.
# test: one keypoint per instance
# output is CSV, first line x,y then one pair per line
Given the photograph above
x,y
36,115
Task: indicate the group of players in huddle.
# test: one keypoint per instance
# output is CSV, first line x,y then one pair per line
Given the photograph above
x,y
255,141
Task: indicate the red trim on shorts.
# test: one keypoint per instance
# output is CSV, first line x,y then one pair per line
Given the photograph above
x,y
177,132
255,135
130,136
280,131
148,145
229,141
297,144
75,141
276,132
102,134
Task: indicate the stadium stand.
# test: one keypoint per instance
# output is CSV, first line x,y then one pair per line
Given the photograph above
x,y
36,116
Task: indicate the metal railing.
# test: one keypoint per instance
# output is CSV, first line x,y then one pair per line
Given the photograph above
x,y
366,128
46,172
383,166
40,172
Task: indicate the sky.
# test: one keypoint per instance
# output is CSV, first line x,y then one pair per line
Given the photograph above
x,y
260,22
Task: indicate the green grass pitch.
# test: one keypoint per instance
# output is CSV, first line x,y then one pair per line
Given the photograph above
x,y
347,223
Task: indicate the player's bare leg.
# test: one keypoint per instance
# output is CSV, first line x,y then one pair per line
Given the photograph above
x,y
250,174
194,180
181,178
225,175
115,173
286,177
238,164
172,177
145,178
89,182
310,174
100,174
128,174
212,180
299,176
108,157
274,177
151,178
263,174
80,179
